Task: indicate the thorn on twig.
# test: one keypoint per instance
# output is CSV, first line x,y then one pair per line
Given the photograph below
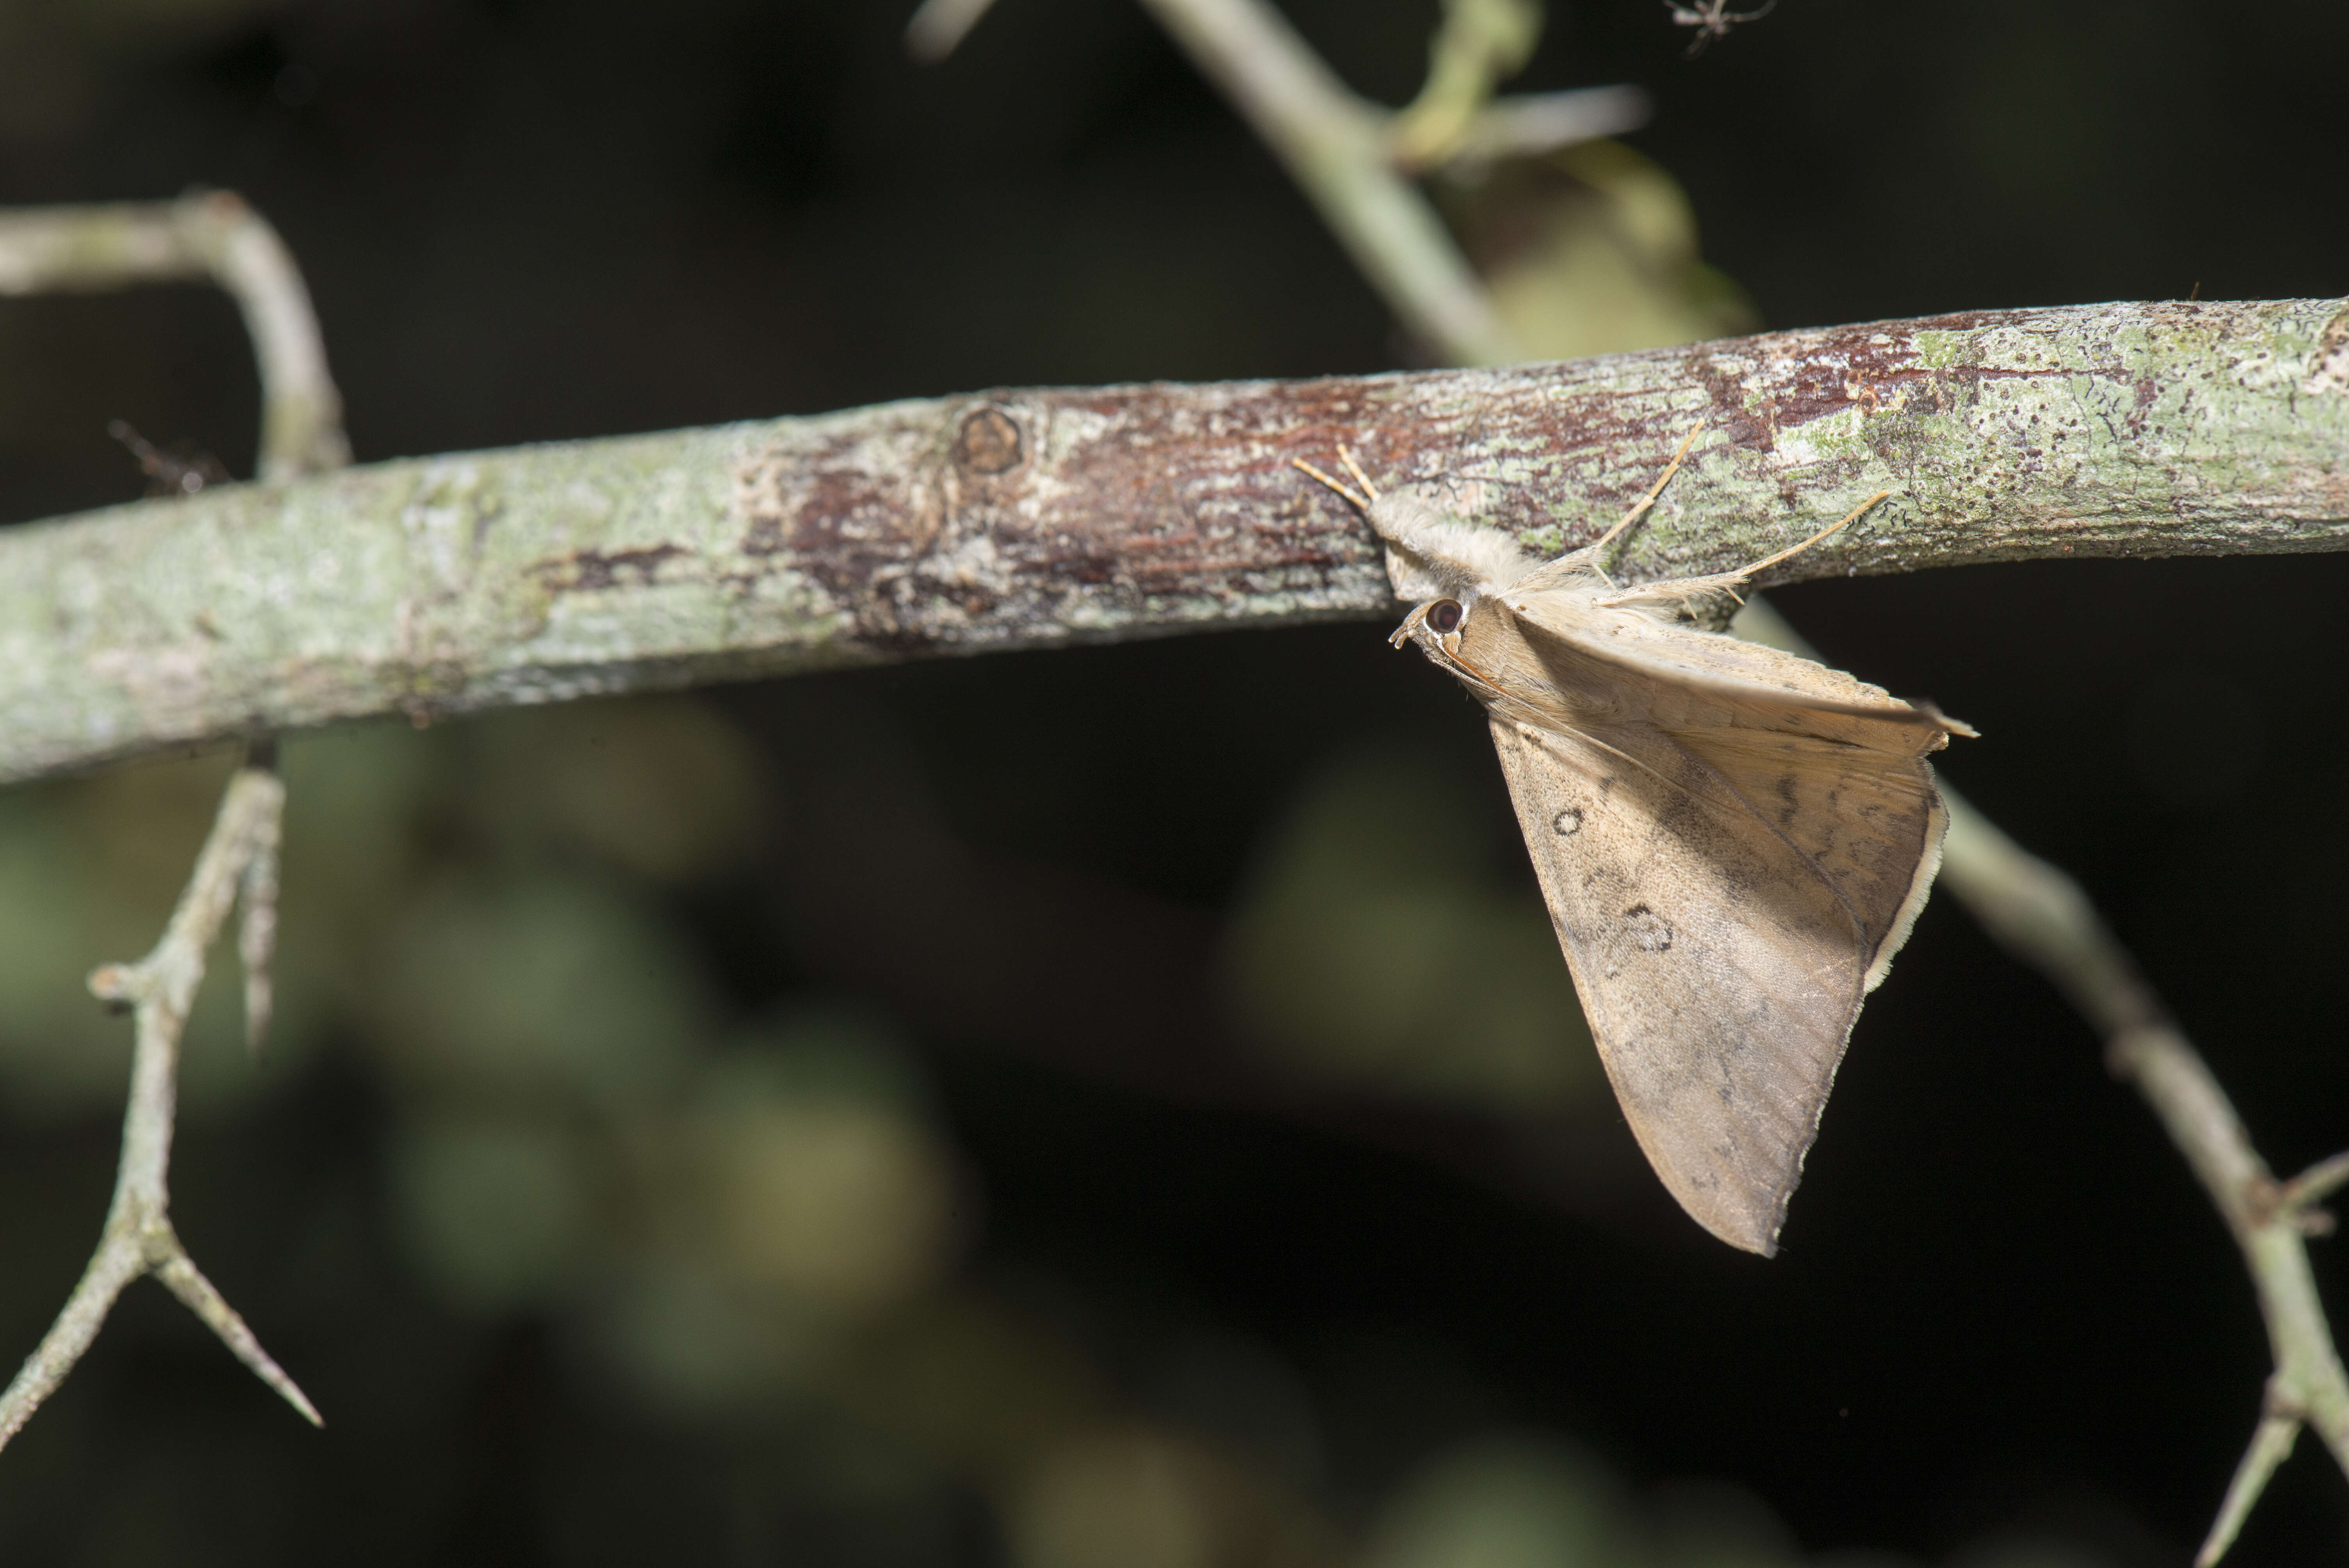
x,y
182,471
118,986
202,1298
2312,1186
2271,1444
256,937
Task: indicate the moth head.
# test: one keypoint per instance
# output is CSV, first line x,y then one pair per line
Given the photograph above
x,y
1435,624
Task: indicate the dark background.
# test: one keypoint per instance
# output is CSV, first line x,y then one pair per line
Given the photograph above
x,y
1152,1271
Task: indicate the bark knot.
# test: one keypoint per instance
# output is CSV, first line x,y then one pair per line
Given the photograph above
x,y
987,443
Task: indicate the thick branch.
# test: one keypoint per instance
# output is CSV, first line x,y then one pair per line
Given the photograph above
x,y
1034,519
206,236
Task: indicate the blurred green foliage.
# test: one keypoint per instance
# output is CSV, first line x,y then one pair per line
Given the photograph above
x,y
1378,947
757,1225
1592,250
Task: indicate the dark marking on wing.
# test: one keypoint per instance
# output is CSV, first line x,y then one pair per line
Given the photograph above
x,y
1649,932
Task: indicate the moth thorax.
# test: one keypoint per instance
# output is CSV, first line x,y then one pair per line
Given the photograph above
x,y
1459,557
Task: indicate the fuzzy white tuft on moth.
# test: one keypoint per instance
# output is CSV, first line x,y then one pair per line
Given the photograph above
x,y
1732,841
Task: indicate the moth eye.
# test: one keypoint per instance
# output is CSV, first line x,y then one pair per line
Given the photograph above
x,y
1444,616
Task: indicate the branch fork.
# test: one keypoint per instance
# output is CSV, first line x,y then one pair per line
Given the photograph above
x,y
241,856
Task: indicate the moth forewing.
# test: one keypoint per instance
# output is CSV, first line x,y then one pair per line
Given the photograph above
x,y
1733,841
1719,981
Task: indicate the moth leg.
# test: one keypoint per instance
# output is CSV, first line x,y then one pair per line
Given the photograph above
x,y
1640,508
1687,588
1788,554
1362,501
1370,492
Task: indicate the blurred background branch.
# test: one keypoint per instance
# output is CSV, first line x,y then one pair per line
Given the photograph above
x,y
1338,149
206,235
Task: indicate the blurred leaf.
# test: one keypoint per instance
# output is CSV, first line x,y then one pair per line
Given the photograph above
x,y
666,787
822,1178
1123,1493
1375,947
539,985
814,1050
494,1213
1503,1503
1478,44
690,1346
1712,1524
1115,1497
1591,250
847,1206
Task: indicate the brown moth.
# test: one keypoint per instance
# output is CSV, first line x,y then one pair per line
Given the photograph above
x,y
1733,841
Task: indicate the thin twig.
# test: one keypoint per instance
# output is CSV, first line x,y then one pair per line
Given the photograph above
x,y
1335,147
1479,42
213,235
1527,125
138,1237
940,25
206,235
2042,916
2300,1195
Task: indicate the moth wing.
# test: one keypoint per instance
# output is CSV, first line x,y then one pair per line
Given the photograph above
x,y
1722,668
1825,759
1720,968
1871,821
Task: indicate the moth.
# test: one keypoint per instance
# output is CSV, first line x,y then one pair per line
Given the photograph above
x,y
1732,841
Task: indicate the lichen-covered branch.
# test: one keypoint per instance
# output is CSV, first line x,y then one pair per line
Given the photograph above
x,y
207,236
159,989
1029,518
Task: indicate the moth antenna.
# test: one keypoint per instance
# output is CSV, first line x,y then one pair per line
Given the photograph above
x,y
1355,468
1789,555
1333,484
1640,508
